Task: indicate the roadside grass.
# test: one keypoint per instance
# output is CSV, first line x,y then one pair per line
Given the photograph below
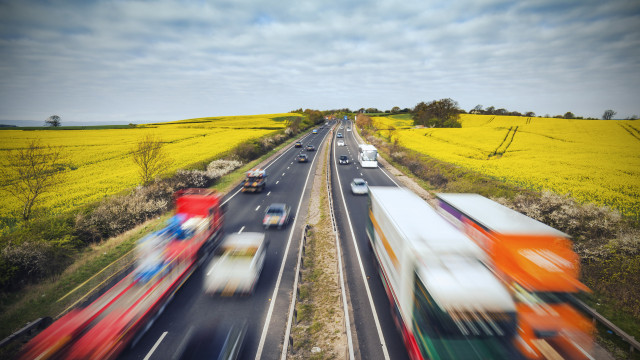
x,y
436,176
319,321
43,299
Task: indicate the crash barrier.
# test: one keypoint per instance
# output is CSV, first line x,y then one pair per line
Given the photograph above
x,y
91,287
28,329
597,317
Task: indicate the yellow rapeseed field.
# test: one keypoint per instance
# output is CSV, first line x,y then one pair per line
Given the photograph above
x,y
594,161
100,163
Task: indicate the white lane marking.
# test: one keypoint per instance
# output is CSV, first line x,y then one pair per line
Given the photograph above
x,y
288,167
258,208
155,346
283,174
242,228
384,172
183,343
269,193
385,353
277,182
361,174
342,286
267,321
266,167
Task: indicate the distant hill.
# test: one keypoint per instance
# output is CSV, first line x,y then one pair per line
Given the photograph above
x,y
32,123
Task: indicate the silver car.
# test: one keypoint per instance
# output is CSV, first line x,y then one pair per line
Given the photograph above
x,y
340,143
359,186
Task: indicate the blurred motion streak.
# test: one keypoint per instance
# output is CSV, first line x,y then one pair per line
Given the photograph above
x,y
446,303
539,267
237,264
102,329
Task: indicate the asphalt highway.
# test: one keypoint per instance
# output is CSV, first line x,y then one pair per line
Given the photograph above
x,y
265,312
377,336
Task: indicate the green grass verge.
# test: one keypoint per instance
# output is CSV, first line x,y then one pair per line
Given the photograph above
x,y
41,300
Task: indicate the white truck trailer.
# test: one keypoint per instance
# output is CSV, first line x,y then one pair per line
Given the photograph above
x,y
444,300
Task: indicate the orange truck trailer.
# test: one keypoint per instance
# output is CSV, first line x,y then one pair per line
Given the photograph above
x,y
538,265
102,329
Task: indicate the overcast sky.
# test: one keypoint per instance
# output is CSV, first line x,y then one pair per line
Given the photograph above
x,y
146,61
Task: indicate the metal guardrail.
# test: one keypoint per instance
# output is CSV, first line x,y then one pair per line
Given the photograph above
x,y
28,329
596,316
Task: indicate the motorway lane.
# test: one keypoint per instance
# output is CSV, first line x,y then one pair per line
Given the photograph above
x,y
370,346
191,308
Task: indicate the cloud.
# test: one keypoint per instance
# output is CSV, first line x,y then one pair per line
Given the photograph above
x,y
166,60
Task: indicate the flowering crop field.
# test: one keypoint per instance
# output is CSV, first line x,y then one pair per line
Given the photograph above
x,y
100,164
593,161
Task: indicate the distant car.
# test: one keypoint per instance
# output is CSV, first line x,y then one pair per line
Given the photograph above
x,y
310,148
339,135
348,129
276,215
340,142
302,158
298,144
236,264
343,160
341,127
359,186
314,131
215,340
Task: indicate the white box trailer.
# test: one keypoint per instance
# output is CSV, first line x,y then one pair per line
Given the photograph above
x,y
445,301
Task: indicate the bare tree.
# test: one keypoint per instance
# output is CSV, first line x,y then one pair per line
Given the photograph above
x,y
32,171
608,114
150,156
53,120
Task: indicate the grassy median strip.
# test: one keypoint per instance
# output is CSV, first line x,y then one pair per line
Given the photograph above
x,y
319,331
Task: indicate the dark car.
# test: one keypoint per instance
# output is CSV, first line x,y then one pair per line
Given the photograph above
x,y
303,158
298,144
310,148
343,160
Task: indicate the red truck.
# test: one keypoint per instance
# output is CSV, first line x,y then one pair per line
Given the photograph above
x,y
167,258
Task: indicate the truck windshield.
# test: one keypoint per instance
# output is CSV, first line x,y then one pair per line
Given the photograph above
x,y
369,155
432,321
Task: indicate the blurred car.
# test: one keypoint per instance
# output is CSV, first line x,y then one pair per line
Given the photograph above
x,y
359,186
340,142
314,131
276,215
302,158
298,144
215,340
310,148
348,129
339,135
343,160
236,264
341,127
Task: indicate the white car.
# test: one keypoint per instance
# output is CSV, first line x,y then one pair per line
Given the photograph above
x,y
340,143
237,264
359,186
348,129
